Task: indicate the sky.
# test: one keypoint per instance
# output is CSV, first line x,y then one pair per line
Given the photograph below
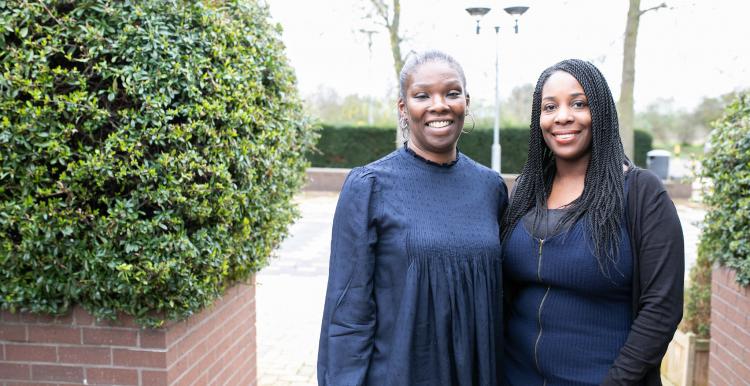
x,y
692,49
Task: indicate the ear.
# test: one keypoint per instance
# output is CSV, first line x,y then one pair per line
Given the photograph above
x,y
401,107
468,99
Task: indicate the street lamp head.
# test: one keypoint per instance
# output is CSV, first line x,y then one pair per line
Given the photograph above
x,y
517,12
477,12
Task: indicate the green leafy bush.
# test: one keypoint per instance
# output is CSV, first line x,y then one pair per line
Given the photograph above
x,y
149,149
347,146
697,316
727,166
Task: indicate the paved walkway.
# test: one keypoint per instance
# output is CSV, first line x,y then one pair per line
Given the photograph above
x,y
290,291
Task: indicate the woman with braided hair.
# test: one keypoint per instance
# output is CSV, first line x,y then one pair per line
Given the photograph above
x,y
592,247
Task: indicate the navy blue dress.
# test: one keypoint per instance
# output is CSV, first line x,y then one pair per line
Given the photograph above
x,y
567,321
414,287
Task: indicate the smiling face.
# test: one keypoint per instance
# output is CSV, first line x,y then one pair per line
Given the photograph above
x,y
434,104
565,118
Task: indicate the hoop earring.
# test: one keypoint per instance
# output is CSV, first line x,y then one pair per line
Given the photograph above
x,y
473,123
403,124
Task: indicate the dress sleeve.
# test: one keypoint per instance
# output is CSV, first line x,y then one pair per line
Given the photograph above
x,y
346,336
661,271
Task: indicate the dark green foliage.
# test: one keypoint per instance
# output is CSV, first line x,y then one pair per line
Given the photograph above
x,y
346,146
150,151
727,168
643,142
697,317
514,144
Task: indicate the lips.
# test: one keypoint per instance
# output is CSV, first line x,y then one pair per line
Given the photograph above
x,y
565,136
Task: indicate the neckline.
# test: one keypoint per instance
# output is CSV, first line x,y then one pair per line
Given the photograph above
x,y
429,162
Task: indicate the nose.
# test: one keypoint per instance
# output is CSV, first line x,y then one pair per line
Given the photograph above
x,y
564,115
438,104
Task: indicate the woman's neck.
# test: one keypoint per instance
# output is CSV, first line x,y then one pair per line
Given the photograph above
x,y
568,183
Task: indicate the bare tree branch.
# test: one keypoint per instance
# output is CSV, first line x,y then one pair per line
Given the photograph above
x,y
662,5
382,10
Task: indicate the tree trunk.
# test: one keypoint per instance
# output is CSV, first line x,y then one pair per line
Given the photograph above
x,y
391,22
398,62
625,108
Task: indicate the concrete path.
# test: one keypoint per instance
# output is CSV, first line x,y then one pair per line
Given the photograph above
x,y
290,291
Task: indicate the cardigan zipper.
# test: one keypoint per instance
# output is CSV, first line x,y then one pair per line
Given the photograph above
x,y
539,312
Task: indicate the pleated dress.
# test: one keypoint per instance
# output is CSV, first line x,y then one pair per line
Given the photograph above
x,y
415,284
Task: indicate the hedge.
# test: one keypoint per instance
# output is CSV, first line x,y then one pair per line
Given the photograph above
x,y
346,147
149,153
726,166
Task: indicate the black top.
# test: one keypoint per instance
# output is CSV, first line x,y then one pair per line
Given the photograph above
x,y
658,280
548,223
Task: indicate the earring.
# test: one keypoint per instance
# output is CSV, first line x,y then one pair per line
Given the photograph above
x,y
403,123
473,123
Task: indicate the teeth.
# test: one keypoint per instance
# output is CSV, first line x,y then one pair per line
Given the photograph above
x,y
565,136
439,124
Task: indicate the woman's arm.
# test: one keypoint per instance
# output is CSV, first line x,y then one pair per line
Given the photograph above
x,y
349,314
661,271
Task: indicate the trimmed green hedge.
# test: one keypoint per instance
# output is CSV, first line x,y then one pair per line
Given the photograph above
x,y
346,147
643,143
149,153
726,166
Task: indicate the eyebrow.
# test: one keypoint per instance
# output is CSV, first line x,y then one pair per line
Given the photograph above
x,y
575,94
448,83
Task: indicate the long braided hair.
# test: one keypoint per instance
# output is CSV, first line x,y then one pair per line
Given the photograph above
x,y
601,204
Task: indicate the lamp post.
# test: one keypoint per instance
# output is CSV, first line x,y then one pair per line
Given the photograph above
x,y
478,12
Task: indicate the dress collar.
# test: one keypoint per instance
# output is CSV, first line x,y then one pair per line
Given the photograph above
x,y
433,163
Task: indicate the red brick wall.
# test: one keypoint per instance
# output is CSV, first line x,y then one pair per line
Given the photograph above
x,y
729,362
214,347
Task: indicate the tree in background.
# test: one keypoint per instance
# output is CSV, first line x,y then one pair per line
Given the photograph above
x,y
671,125
387,14
330,108
625,104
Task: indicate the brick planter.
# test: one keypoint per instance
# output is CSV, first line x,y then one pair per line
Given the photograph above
x,y
729,362
215,347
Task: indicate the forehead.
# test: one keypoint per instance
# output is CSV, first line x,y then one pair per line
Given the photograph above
x,y
432,73
561,82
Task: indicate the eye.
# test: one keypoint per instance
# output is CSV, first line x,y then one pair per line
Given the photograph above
x,y
579,104
454,94
420,95
549,107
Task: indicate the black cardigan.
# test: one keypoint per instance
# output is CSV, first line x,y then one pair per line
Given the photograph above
x,y
658,280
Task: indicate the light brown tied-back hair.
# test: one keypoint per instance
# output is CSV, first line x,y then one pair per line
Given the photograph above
x,y
602,202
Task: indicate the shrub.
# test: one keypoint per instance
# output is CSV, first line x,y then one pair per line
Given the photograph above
x,y
150,151
643,143
697,316
727,165
347,146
